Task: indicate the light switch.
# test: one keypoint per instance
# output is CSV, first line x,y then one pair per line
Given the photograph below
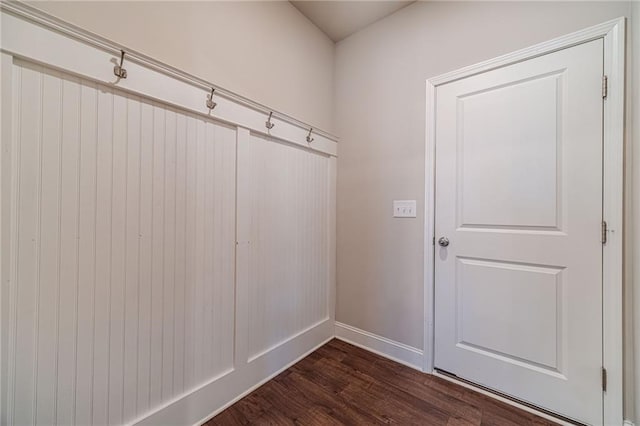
x,y
404,208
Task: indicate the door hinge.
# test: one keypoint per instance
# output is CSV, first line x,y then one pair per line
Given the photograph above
x,y
604,379
605,81
604,232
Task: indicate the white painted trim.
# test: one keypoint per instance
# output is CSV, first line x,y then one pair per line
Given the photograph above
x,y
332,234
61,46
613,34
35,15
5,164
182,395
395,351
272,348
262,382
226,389
243,237
429,230
563,42
613,213
66,49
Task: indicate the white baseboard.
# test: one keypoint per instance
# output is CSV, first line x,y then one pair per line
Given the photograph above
x,y
395,351
217,395
262,382
204,402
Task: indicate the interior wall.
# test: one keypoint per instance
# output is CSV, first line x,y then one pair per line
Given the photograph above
x,y
146,241
266,51
632,299
380,117
379,111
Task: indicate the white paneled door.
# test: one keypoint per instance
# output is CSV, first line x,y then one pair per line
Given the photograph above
x,y
518,258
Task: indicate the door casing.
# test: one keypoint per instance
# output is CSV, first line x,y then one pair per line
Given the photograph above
x,y
613,34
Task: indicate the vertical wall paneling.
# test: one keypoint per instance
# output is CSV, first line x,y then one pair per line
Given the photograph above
x,y
190,276
106,308
87,185
103,228
132,259
157,255
48,268
331,236
118,256
169,251
156,263
288,260
179,289
26,254
243,235
199,309
210,272
68,251
6,153
226,238
144,262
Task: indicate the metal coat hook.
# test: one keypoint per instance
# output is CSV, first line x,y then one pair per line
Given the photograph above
x,y
309,138
210,103
268,124
118,70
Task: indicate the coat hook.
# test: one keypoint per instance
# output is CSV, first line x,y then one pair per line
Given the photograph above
x,y
309,138
118,70
268,124
210,104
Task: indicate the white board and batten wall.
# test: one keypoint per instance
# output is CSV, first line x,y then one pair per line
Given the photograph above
x,y
159,260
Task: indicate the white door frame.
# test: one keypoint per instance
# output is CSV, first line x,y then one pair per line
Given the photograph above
x,y
613,34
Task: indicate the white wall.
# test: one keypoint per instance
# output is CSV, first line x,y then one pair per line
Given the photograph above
x,y
379,110
380,117
146,241
123,298
266,51
114,286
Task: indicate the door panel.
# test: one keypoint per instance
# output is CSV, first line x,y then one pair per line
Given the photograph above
x,y
534,295
519,196
509,160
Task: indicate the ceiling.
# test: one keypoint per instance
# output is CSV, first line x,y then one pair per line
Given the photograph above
x,y
340,19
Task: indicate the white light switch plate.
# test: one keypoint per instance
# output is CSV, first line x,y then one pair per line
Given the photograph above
x,y
404,208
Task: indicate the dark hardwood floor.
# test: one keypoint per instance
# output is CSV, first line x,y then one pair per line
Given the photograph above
x,y
342,384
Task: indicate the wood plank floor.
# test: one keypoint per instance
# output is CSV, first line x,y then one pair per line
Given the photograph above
x,y
342,384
